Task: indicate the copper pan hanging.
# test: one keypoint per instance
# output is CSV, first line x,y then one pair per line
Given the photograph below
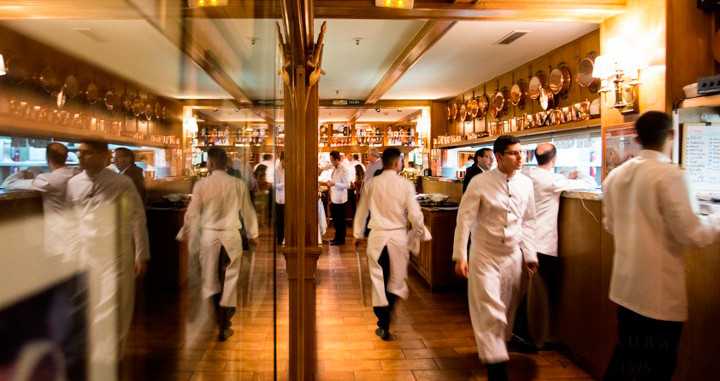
x,y
463,113
584,75
482,105
17,71
559,80
126,102
518,91
499,101
547,99
537,82
449,112
47,79
473,108
110,100
90,91
453,110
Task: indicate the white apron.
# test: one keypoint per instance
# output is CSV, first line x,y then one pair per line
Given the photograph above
x,y
210,243
396,242
493,292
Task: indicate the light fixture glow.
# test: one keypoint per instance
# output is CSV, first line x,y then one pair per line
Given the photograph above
x,y
3,70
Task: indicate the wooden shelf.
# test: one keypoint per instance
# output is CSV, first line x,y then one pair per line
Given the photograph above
x,y
703,101
363,149
22,127
580,125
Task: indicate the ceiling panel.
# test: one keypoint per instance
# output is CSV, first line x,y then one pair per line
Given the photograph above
x,y
355,69
466,56
132,49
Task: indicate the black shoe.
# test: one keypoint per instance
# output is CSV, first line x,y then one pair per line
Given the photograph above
x,y
497,372
225,334
383,333
518,344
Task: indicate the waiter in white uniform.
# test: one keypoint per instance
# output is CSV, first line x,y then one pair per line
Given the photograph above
x,y
653,217
548,186
391,201
499,208
53,188
339,184
214,210
114,254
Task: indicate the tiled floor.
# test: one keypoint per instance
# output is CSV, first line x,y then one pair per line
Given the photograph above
x,y
174,338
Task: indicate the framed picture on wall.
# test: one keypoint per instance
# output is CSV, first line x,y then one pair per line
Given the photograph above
x,y
619,146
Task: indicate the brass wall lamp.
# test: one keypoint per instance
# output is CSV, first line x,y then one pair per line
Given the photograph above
x,y
620,72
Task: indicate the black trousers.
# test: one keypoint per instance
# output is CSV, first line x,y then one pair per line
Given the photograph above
x,y
646,348
280,223
337,211
383,313
223,315
550,272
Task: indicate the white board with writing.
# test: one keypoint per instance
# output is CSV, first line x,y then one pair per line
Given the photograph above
x,y
701,156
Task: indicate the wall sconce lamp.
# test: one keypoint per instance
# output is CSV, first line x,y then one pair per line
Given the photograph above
x,y
3,70
619,71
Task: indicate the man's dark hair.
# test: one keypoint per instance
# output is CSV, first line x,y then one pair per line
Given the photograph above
x,y
217,156
98,146
267,156
389,157
503,142
653,128
335,155
480,153
56,153
546,156
124,152
355,157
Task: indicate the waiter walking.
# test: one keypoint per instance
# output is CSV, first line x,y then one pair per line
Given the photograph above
x,y
502,199
339,184
653,217
214,210
391,201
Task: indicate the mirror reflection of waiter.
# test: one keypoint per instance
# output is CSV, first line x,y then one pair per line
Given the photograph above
x,y
339,184
217,201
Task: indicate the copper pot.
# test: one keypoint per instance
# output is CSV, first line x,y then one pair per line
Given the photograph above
x,y
47,79
17,70
518,93
463,113
90,92
453,110
537,83
547,99
110,100
473,108
556,117
559,80
584,75
138,107
482,105
499,101
70,86
127,102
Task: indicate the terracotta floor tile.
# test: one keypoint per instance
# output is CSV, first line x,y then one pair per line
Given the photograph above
x,y
429,353
334,375
443,375
414,364
458,363
384,376
197,366
377,354
354,365
223,376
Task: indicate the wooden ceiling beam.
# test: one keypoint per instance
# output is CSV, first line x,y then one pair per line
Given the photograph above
x,y
547,10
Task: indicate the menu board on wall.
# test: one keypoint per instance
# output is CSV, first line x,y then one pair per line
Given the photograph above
x,y
701,156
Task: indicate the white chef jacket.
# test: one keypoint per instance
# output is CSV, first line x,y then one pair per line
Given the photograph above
x,y
280,185
217,200
653,216
371,168
391,201
501,214
269,171
103,247
548,186
338,192
53,188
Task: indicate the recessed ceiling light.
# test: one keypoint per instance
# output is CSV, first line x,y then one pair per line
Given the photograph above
x,y
511,37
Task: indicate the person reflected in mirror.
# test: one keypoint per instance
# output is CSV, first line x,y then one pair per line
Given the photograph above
x,y
125,163
483,162
339,184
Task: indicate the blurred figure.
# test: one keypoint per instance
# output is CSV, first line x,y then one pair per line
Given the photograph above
x,y
125,163
280,199
339,184
267,161
653,217
99,199
214,210
53,188
391,200
483,162
358,182
244,171
374,163
355,162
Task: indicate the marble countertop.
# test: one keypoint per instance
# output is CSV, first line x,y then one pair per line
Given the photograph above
x,y
584,194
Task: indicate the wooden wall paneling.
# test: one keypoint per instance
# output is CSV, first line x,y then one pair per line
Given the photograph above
x,y
576,321
438,120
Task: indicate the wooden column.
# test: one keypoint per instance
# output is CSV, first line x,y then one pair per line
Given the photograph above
x,y
301,250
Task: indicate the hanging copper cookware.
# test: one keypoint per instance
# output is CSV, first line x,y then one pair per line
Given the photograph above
x,y
17,71
547,99
559,80
110,100
47,79
126,102
537,82
453,110
482,106
518,91
138,107
449,112
159,110
499,102
463,113
70,86
584,75
473,108
90,92
149,110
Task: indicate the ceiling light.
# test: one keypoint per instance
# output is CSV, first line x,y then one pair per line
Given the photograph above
x,y
405,4
3,70
511,37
